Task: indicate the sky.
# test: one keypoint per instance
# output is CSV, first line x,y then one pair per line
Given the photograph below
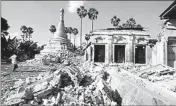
x,y
40,15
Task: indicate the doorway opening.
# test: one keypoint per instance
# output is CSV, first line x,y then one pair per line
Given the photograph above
x,y
99,53
140,54
119,53
171,52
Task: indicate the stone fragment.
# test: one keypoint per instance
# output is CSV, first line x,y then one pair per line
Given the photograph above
x,y
29,94
55,81
18,83
40,86
38,100
21,89
66,62
44,93
27,105
86,81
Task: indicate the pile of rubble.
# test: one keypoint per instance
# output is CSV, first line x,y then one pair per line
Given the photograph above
x,y
158,73
161,75
69,85
50,59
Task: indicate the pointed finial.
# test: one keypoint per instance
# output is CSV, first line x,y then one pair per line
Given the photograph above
x,y
61,14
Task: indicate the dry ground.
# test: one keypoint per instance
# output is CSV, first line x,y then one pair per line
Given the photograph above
x,y
8,77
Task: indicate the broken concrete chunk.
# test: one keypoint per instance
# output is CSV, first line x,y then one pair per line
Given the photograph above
x,y
71,85
18,83
86,81
21,89
66,62
40,86
29,94
55,81
38,100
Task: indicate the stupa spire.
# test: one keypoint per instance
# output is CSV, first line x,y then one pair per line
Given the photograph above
x,y
61,27
62,14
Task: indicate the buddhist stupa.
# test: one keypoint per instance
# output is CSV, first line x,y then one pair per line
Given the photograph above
x,y
59,40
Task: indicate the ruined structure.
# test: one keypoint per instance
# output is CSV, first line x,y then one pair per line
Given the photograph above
x,y
59,41
119,46
165,50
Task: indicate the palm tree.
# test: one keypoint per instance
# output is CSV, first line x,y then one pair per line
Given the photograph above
x,y
30,31
82,12
24,30
52,29
70,31
115,21
92,14
75,32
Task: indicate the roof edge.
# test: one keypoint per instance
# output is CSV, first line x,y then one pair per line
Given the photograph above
x,y
167,10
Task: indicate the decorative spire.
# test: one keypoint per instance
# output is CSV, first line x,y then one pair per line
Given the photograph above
x,y
61,27
62,14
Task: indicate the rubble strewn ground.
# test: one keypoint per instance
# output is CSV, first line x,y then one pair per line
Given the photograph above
x,y
72,81
161,75
67,83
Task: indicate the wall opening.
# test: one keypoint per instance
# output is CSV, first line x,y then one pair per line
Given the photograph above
x,y
171,52
119,53
99,53
140,54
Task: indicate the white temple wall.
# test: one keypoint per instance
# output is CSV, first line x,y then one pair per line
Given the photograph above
x,y
160,51
110,41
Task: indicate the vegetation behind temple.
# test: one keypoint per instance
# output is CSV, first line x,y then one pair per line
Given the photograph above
x,y
27,48
24,49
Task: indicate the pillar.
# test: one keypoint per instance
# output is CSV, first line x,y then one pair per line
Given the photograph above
x,y
129,51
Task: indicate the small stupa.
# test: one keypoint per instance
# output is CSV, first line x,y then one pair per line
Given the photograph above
x,y
60,40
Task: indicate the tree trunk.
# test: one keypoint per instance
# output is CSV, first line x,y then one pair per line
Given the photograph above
x,y
81,34
74,41
26,37
70,37
92,25
29,37
23,38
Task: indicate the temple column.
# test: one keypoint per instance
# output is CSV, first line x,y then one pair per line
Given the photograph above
x,y
130,50
110,47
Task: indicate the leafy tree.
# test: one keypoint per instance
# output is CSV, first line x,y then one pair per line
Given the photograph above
x,y
115,21
8,47
138,26
4,42
52,29
15,46
82,12
4,25
131,23
28,48
92,14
